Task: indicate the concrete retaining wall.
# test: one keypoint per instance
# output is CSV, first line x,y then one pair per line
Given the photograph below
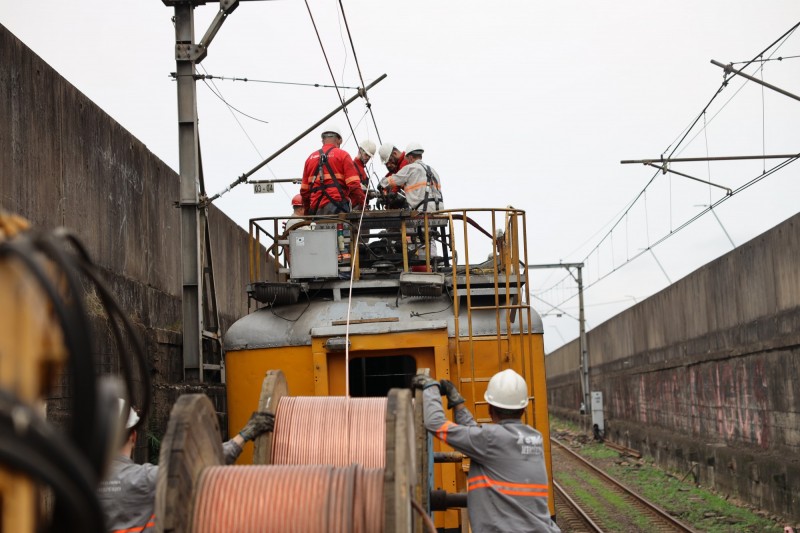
x,y
65,162
705,372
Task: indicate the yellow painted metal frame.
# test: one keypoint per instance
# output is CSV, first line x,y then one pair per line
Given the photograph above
x,y
466,359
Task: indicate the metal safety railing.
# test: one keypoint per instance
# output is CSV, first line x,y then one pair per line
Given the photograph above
x,y
385,244
376,239
497,284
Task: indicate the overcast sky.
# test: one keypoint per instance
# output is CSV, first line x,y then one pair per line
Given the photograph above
x,y
524,103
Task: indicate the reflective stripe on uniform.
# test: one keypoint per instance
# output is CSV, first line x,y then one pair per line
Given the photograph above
x,y
506,487
441,433
151,522
415,186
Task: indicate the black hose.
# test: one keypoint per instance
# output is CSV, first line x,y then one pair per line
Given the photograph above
x,y
81,364
71,467
29,445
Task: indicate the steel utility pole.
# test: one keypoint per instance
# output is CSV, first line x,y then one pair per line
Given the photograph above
x,y
583,344
189,170
199,303
200,321
583,363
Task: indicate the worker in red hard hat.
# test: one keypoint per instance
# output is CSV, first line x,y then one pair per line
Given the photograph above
x,y
298,212
128,494
330,181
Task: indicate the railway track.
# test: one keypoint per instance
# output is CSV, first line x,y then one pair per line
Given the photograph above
x,y
595,501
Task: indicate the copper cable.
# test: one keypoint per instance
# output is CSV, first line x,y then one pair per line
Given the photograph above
x,y
304,498
426,519
370,493
335,430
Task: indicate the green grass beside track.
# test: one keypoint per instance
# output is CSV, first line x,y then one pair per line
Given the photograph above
x,y
694,505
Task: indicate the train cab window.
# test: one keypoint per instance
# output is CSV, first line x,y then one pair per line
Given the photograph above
x,y
374,376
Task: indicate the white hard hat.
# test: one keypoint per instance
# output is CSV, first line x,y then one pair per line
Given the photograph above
x,y
507,390
133,418
385,151
333,129
368,147
414,146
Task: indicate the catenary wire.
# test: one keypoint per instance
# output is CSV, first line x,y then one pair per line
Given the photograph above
x,y
675,145
230,106
252,143
300,84
330,69
686,223
781,58
358,68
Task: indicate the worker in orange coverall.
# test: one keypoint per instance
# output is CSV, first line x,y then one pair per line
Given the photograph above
x,y
330,181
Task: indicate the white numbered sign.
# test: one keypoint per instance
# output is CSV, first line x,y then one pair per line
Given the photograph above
x,y
259,188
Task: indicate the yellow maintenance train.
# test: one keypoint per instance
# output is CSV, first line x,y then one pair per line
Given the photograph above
x,y
356,304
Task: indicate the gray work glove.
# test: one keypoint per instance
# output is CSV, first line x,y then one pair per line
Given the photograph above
x,y
422,382
259,423
454,398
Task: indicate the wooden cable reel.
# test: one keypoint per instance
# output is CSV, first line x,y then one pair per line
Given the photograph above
x,y
195,493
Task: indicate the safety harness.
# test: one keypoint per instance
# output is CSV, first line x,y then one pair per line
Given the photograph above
x,y
322,186
361,175
431,180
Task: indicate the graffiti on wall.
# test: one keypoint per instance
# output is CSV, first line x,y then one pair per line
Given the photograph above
x,y
722,401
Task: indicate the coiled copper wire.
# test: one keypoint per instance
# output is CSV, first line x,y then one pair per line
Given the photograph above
x,y
368,498
305,498
334,430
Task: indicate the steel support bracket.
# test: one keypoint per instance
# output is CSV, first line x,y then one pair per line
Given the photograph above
x,y
190,52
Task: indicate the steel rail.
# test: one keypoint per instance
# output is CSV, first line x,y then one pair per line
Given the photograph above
x,y
576,512
659,513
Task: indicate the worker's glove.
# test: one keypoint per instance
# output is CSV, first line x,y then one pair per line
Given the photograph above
x,y
422,382
259,423
454,398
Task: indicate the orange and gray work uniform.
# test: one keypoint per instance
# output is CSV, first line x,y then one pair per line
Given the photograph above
x,y
128,494
330,182
421,185
507,483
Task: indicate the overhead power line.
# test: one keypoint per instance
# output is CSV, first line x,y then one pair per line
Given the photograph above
x,y
685,224
764,60
231,109
224,101
330,69
234,78
675,145
358,67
